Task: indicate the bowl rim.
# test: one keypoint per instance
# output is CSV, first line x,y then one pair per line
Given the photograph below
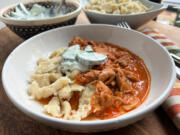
x,y
163,7
22,21
144,111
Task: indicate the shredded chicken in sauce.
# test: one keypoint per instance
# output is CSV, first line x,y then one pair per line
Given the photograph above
x,y
121,83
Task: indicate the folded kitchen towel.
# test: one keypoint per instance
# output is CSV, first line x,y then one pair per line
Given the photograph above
x,y
172,104
162,39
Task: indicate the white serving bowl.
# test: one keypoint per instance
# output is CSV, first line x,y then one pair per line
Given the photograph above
x,y
22,61
134,20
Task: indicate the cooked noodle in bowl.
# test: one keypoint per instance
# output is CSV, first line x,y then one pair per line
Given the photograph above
x,y
134,12
116,6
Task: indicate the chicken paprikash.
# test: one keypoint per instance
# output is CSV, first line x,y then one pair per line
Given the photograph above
x,y
90,80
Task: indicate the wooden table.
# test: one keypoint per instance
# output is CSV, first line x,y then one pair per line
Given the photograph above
x,y
14,122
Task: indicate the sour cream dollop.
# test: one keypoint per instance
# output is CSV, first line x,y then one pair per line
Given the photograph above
x,y
81,60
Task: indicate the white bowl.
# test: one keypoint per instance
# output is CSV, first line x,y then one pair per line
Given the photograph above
x,y
22,61
134,20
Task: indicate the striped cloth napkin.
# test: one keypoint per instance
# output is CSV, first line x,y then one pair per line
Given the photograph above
x,y
172,104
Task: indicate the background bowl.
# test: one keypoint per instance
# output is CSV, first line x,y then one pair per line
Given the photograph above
x,y
134,20
22,62
29,28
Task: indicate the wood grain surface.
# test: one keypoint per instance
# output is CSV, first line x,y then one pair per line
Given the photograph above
x,y
14,122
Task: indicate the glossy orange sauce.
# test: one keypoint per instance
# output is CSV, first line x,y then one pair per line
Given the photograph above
x,y
45,101
74,101
134,65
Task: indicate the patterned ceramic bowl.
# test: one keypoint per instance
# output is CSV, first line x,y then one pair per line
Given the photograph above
x,y
29,28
